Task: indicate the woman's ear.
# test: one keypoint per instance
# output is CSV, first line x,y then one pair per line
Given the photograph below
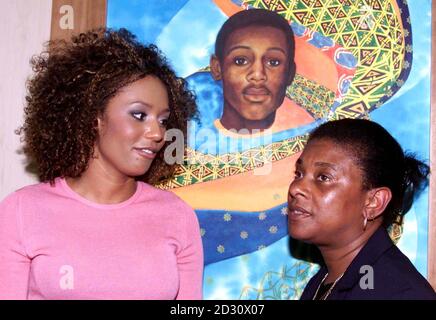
x,y
376,202
215,67
101,124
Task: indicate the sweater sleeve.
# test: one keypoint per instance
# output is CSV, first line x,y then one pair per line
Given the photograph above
x,y
14,262
190,261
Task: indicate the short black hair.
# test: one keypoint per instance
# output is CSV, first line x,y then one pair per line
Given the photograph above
x,y
254,17
381,160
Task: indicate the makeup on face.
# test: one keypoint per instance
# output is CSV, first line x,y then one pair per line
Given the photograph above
x,y
132,129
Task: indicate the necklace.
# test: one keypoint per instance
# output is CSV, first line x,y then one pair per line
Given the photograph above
x,y
324,296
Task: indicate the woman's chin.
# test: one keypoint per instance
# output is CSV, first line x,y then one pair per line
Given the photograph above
x,y
136,172
299,234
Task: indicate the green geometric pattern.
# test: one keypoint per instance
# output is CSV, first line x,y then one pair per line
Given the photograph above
x,y
313,97
285,285
370,29
200,167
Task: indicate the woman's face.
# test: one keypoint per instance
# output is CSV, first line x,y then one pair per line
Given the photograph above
x,y
326,199
132,128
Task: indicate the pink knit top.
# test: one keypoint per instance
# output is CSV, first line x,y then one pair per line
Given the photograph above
x,y
55,244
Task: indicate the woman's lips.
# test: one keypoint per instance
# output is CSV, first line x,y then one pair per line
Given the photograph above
x,y
146,153
297,213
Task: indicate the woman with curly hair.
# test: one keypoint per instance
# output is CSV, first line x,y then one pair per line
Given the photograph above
x,y
97,111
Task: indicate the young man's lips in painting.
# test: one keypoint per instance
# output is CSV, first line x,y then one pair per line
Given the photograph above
x,y
253,90
296,212
256,93
146,152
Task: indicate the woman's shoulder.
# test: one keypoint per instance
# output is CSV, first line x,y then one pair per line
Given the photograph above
x,y
26,200
396,268
32,191
164,197
169,205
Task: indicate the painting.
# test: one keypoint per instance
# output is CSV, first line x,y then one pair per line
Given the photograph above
x,y
354,59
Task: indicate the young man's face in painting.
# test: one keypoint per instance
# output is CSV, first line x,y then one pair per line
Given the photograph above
x,y
255,71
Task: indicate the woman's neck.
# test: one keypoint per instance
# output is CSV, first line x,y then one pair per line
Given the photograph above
x,y
339,258
99,186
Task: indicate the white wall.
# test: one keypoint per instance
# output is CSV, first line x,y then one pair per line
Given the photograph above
x,y
24,27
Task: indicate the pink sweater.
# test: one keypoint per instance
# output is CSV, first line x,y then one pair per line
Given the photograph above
x,y
55,244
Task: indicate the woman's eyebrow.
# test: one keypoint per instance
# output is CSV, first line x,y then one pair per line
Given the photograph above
x,y
149,106
326,164
334,167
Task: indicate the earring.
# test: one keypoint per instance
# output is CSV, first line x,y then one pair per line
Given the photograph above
x,y
364,223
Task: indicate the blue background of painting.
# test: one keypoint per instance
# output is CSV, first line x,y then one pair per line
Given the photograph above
x,y
185,31
407,117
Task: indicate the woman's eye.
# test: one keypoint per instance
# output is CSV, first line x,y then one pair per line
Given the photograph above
x,y
240,61
323,178
298,175
274,62
164,122
138,115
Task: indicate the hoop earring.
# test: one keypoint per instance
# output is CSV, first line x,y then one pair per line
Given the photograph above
x,y
365,223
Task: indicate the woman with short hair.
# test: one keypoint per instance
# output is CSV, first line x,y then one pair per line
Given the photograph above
x,y
353,181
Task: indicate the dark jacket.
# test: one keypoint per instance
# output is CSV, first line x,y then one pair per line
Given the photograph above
x,y
394,275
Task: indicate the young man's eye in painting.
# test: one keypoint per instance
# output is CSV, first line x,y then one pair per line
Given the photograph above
x,y
274,62
240,61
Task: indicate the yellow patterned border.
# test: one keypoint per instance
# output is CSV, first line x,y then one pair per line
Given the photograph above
x,y
371,30
200,167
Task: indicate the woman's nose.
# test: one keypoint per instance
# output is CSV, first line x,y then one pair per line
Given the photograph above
x,y
297,188
154,130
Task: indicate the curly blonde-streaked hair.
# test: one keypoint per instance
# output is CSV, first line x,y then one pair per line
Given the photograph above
x,y
71,86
